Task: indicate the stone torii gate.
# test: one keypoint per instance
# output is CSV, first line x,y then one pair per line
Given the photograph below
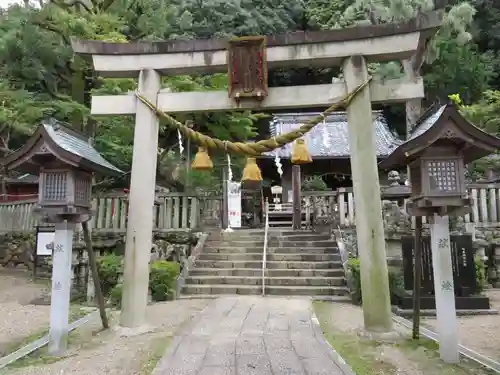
x,y
350,48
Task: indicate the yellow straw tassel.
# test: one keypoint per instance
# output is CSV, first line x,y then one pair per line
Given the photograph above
x,y
251,172
202,161
300,154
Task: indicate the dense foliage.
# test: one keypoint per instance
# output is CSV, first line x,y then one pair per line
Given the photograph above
x,y
41,77
162,278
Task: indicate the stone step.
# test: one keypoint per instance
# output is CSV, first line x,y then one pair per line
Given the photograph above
x,y
269,264
208,289
273,257
326,298
270,250
257,272
273,281
307,290
280,223
301,244
222,289
252,234
273,243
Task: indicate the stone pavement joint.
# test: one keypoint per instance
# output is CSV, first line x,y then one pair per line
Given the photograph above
x,y
252,336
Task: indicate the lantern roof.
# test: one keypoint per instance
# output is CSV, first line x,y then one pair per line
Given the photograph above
x,y
443,122
58,139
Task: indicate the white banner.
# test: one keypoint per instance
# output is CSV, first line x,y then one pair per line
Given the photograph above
x,y
234,204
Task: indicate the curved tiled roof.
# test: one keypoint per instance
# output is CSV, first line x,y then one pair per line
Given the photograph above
x,y
330,139
63,136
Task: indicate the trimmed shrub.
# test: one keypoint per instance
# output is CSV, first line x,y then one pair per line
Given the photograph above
x,y
354,276
163,279
480,274
115,295
110,269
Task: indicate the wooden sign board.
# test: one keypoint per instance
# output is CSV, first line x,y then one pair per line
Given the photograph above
x,y
247,68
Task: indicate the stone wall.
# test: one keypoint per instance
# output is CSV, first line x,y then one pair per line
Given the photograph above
x,y
17,251
397,223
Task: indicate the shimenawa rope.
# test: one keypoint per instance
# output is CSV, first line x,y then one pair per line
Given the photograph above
x,y
252,148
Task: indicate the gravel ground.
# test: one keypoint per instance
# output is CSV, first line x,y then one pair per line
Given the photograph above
x,y
19,319
480,332
109,352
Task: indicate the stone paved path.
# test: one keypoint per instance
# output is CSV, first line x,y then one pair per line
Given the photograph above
x,y
251,336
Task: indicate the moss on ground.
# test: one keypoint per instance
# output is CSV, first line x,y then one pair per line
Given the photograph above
x,y
369,357
158,349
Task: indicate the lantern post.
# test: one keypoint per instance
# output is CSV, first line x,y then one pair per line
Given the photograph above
x,y
442,143
66,163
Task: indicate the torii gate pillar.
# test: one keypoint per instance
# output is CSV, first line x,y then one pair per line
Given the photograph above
x,y
369,223
141,201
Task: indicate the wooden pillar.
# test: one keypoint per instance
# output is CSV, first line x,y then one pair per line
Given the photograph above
x,y
417,277
225,205
286,184
413,112
141,201
189,124
297,212
369,221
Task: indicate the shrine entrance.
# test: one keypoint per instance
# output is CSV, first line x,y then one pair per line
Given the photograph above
x,y
247,61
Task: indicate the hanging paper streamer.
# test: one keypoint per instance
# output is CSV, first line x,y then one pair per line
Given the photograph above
x,y
326,135
277,162
181,147
229,170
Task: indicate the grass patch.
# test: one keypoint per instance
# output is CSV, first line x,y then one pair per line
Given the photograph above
x,y
158,349
364,355
426,353
361,354
427,344
40,356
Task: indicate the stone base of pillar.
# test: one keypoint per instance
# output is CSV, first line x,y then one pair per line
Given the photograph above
x,y
136,331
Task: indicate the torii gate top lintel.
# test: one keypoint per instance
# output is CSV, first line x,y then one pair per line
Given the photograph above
x,y
384,42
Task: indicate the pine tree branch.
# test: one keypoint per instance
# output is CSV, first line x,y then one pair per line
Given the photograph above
x,y
53,29
73,3
105,5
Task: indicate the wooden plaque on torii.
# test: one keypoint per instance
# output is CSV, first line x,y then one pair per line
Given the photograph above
x,y
247,68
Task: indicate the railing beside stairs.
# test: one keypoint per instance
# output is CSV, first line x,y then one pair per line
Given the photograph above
x,y
264,252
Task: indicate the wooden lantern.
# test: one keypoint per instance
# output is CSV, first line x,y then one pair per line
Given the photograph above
x,y
437,151
64,191
66,162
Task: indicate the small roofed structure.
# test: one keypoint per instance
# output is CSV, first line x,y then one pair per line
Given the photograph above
x,y
25,186
65,160
437,150
328,145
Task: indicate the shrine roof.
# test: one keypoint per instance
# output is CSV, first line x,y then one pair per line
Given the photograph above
x,y
433,125
65,142
330,139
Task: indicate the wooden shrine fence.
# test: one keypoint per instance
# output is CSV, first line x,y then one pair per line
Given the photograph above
x,y
171,211
181,211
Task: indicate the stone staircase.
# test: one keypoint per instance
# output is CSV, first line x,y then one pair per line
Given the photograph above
x,y
299,263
